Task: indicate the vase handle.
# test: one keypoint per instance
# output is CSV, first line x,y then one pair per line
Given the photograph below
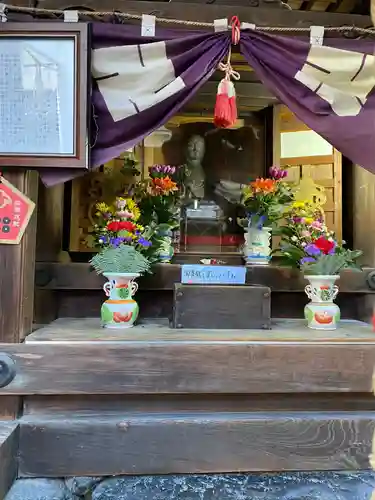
x,y
134,288
335,291
107,287
309,291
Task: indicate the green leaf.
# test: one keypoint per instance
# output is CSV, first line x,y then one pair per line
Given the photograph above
x,y
123,259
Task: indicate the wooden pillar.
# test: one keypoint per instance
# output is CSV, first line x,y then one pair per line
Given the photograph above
x,y
17,270
363,196
17,265
364,215
49,245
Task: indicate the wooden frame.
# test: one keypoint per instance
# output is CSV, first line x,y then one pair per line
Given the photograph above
x,y
79,33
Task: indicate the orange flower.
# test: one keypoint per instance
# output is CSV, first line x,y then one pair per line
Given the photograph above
x,y
263,186
163,186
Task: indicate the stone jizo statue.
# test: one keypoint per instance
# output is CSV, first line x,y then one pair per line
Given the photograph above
x,y
194,172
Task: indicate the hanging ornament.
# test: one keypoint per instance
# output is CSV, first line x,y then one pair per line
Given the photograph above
x,y
225,114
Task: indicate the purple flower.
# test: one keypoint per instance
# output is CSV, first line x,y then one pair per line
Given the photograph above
x,y
306,260
296,220
277,173
103,239
333,250
115,242
144,242
312,250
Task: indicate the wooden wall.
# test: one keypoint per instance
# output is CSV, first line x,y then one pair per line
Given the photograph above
x,y
308,155
364,213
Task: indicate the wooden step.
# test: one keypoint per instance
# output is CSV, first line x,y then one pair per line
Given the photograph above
x,y
113,443
154,400
8,455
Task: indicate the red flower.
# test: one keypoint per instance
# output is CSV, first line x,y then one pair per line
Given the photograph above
x,y
116,226
127,225
113,226
325,245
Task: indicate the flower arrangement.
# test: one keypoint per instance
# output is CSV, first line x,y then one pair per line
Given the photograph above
x,y
118,229
118,225
307,243
158,197
265,200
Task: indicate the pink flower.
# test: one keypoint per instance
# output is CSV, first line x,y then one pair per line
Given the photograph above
x,y
316,224
277,173
125,214
306,234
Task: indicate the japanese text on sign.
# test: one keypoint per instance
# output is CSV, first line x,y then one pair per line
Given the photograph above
x,y
213,275
15,213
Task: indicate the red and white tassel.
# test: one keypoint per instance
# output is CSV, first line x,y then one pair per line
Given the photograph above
x,y
225,114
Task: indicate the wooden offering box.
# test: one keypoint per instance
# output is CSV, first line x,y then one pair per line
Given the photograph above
x,y
153,400
221,307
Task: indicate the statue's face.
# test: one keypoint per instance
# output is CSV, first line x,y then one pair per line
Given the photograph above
x,y
195,148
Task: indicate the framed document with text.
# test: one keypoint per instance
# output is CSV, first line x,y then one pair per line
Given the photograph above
x,y
44,88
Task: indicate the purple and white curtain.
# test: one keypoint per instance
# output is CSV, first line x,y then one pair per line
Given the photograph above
x,y
140,82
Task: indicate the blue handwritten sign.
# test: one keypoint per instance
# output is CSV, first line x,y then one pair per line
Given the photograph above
x,y
213,275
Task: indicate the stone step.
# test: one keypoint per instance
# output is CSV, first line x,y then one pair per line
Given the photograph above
x,y
285,486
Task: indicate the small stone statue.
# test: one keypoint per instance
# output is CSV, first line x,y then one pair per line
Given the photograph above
x,y
194,172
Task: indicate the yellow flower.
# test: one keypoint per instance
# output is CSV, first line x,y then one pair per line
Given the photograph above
x,y
298,204
309,220
103,207
133,208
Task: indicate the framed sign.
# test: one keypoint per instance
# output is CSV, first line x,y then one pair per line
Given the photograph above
x,y
43,95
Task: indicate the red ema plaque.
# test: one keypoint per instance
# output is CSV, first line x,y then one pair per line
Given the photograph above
x,y
15,212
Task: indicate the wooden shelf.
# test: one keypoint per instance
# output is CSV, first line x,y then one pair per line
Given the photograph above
x,y
71,331
79,276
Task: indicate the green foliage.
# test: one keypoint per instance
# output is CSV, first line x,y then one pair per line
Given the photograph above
x,y
153,233
130,164
123,259
333,264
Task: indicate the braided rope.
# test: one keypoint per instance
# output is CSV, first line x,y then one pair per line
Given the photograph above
x,y
126,15
227,68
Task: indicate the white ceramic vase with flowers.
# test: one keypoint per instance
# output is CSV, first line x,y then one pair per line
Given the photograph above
x,y
121,260
308,245
264,201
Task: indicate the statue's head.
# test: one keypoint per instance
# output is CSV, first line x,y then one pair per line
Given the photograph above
x,y
195,148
